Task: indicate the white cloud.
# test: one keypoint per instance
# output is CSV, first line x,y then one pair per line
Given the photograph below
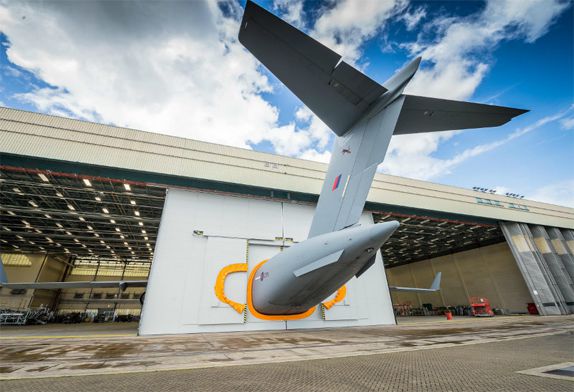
x,y
314,155
291,11
559,193
567,123
349,23
459,55
414,158
412,18
175,68
502,190
178,68
456,60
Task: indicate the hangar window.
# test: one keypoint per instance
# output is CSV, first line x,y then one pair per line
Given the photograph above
x,y
110,296
96,295
78,295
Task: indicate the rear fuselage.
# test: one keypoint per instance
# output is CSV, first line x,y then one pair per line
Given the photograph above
x,y
308,272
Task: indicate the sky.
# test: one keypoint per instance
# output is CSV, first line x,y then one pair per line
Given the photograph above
x,y
176,67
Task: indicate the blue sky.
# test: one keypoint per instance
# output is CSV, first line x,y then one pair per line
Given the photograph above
x,y
177,68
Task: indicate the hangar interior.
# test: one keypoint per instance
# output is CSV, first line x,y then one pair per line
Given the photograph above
x,y
69,218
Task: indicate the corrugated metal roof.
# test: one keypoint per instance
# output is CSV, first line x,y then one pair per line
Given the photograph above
x,y
39,135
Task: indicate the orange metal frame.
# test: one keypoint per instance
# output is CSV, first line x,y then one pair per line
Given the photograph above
x,y
220,285
262,316
239,308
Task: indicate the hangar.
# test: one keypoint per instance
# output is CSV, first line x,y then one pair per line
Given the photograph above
x,y
83,201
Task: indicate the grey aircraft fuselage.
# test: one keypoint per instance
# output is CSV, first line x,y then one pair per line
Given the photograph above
x,y
308,272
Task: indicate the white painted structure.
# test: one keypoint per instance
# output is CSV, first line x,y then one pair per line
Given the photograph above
x,y
200,233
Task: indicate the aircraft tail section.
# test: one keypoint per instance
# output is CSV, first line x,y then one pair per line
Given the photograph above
x,y
354,160
335,91
435,286
424,114
361,112
403,76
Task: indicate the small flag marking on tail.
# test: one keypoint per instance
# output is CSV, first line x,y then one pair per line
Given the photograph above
x,y
336,182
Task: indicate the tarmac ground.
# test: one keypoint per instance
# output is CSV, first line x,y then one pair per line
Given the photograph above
x,y
423,354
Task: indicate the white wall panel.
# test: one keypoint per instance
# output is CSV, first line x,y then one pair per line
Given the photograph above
x,y
180,296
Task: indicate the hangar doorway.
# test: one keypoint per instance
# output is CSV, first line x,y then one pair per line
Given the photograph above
x,y
473,256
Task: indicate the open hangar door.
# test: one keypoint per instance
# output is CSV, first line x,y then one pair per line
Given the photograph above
x,y
59,226
473,256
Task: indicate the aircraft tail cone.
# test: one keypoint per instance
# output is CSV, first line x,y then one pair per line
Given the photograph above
x,y
381,232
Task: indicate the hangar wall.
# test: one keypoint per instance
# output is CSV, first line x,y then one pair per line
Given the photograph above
x,y
30,268
200,233
489,271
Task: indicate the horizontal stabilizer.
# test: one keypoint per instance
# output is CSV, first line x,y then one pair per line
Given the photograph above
x,y
435,286
121,284
423,114
335,91
75,285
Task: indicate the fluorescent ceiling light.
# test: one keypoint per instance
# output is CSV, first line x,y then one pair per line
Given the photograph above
x,y
43,177
17,190
133,202
11,213
87,182
98,198
140,223
136,213
127,186
71,207
32,203
47,216
105,210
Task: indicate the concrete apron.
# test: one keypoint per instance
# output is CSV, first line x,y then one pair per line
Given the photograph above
x,y
69,351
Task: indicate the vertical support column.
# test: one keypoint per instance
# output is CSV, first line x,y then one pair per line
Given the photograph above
x,y
37,278
554,263
569,237
538,279
564,240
